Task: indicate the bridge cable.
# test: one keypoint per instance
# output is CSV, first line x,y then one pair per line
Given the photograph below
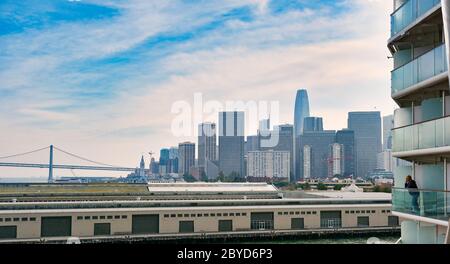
x,y
22,154
85,159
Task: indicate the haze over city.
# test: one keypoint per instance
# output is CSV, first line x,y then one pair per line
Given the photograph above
x,y
99,78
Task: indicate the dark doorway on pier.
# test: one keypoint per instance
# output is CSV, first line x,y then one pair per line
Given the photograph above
x,y
186,227
363,221
8,232
58,226
393,220
297,223
225,225
330,219
102,229
261,221
145,224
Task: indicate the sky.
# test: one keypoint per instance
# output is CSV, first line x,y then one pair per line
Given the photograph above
x,y
99,78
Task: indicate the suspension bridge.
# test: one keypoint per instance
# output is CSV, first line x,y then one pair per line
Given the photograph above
x,y
50,166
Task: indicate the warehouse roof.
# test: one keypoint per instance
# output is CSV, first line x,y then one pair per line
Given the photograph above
x,y
204,187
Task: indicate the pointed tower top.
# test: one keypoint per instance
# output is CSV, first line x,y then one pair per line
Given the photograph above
x,y
142,165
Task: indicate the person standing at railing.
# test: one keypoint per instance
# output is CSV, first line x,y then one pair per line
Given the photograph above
x,y
411,185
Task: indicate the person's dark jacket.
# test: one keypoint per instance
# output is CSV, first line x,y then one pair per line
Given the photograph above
x,y
412,185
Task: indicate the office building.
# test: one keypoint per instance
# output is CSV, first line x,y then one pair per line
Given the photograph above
x,y
231,143
314,156
154,166
420,87
312,124
367,129
163,161
268,165
186,157
300,112
206,143
212,169
346,138
281,139
385,160
252,144
173,160
336,160
388,125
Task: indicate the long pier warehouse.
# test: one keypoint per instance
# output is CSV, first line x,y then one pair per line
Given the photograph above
x,y
55,212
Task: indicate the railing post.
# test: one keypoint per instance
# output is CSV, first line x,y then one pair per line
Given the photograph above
x,y
447,236
445,186
446,18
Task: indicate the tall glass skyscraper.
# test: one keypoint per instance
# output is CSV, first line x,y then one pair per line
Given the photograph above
x,y
420,47
300,112
367,128
231,143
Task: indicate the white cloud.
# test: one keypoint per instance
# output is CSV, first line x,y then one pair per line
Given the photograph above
x,y
341,61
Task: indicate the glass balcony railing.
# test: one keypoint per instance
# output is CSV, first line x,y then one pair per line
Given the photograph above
x,y
424,67
430,134
427,203
409,12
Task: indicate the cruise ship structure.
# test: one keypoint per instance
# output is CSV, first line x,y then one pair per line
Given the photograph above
x,y
31,213
419,44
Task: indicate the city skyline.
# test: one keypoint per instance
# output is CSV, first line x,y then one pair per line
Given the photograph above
x,y
112,73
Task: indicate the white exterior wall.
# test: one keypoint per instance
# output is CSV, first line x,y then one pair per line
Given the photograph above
x,y
268,164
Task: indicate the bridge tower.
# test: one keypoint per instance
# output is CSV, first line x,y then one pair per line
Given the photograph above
x,y
50,166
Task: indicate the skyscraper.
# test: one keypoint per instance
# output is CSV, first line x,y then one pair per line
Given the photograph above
x,y
312,124
420,47
187,157
336,160
251,144
367,128
173,160
267,165
346,138
388,125
206,143
231,143
300,112
315,153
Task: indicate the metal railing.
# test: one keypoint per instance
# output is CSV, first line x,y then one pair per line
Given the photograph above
x,y
421,202
429,134
409,12
420,69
